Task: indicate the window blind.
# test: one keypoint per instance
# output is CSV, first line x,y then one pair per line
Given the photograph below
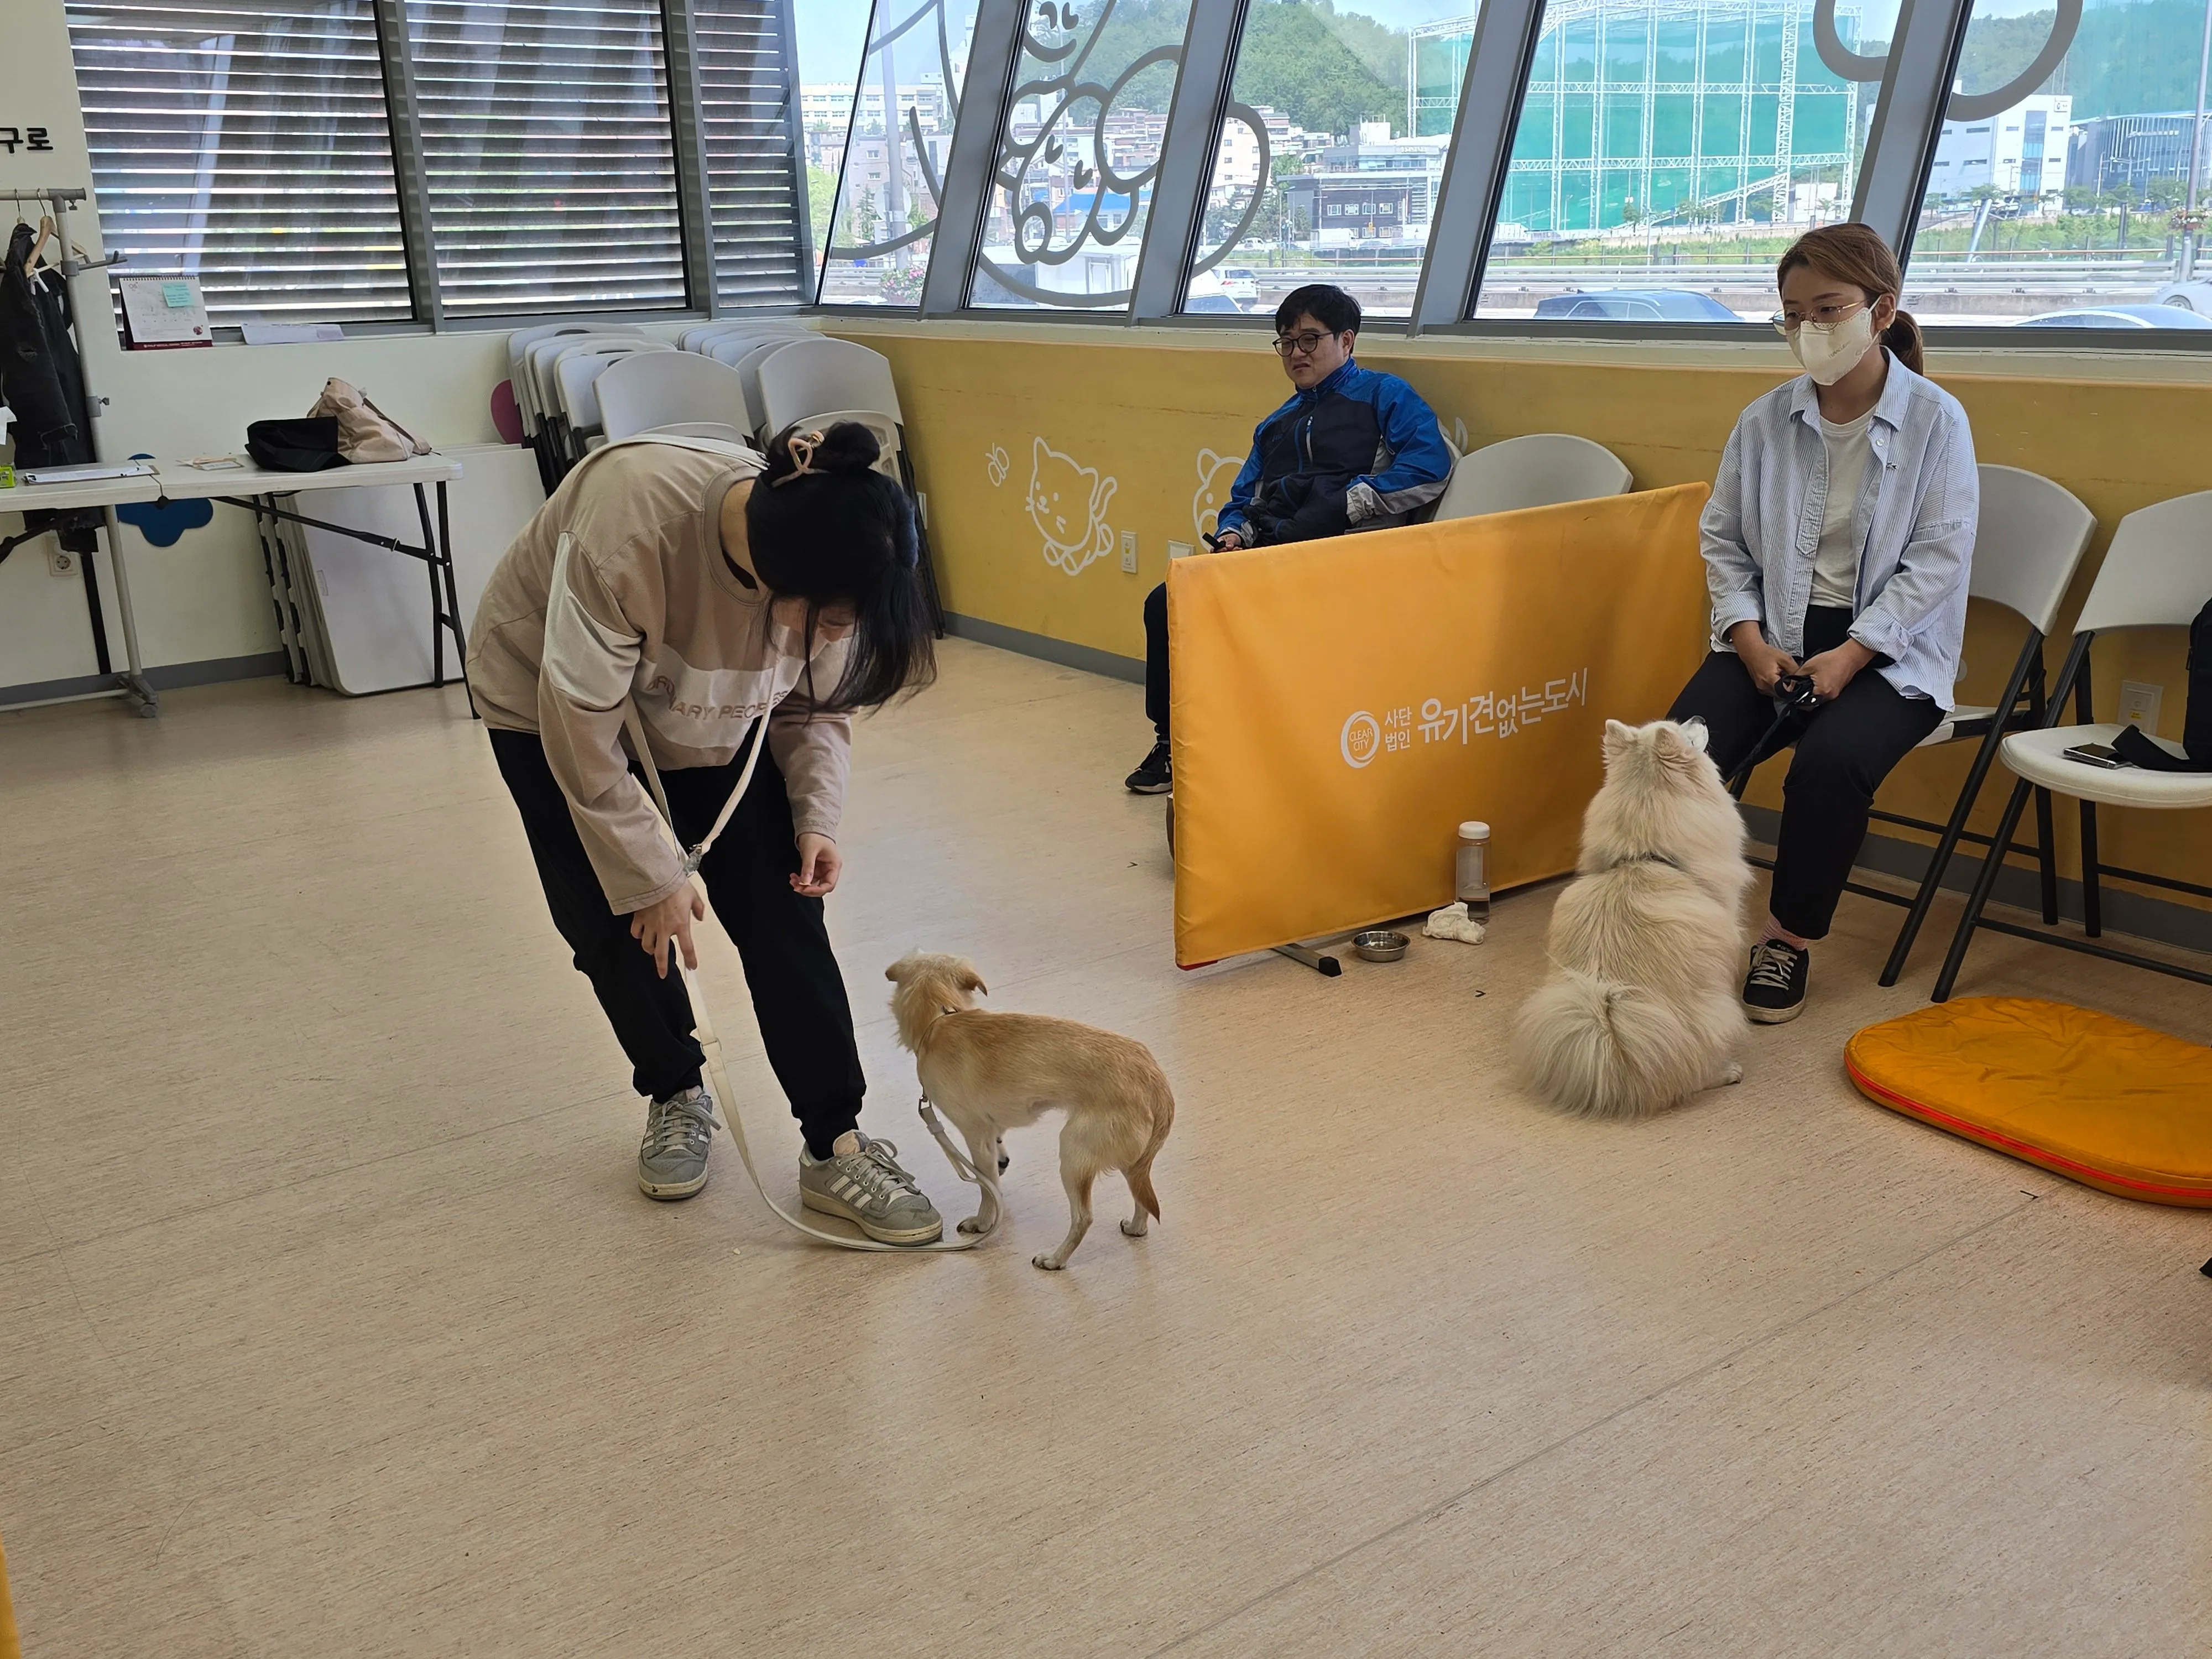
x,y
745,87
547,157
244,142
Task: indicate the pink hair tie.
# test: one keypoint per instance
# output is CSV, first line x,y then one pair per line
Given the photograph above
x,y
800,448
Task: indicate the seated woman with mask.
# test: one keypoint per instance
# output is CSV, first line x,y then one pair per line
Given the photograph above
x,y
1837,544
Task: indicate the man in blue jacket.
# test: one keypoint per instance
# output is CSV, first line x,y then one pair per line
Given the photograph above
x,y
1351,450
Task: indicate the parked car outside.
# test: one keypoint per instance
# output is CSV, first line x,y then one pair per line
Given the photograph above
x,y
2129,316
2195,295
1635,305
1239,283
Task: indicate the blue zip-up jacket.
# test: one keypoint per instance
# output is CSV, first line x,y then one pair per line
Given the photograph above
x,y
1360,451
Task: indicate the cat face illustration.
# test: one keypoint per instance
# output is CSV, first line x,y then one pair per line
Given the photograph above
x,y
1068,504
1216,474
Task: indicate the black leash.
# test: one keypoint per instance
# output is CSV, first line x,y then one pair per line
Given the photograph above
x,y
1793,695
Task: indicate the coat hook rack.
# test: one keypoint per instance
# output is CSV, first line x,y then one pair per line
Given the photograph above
x,y
57,198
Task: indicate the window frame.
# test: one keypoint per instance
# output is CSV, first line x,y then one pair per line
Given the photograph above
x,y
1909,102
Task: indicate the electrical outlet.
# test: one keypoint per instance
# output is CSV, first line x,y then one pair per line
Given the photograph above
x,y
61,562
1179,550
2139,704
1129,552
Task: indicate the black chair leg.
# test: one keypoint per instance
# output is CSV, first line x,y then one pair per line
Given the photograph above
x,y
1984,886
2093,898
2030,661
2048,858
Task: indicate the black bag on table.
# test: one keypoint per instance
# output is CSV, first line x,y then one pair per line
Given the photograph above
x,y
309,444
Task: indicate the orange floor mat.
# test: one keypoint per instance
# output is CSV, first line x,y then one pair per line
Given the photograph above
x,y
2112,1104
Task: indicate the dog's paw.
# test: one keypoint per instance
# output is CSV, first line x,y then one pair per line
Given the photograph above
x,y
1733,1073
974,1223
1134,1229
1051,1264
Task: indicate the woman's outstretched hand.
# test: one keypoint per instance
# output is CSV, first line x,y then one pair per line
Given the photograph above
x,y
660,927
819,867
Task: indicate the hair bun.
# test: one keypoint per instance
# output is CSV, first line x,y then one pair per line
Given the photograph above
x,y
846,446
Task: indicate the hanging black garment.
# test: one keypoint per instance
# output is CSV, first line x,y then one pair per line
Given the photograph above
x,y
42,381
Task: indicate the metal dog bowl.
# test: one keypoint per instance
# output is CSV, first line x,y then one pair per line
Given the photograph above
x,y
1378,944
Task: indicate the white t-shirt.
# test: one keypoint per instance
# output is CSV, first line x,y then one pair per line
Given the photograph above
x,y
1836,560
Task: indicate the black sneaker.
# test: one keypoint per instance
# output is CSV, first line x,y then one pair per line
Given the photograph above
x,y
1774,989
1155,776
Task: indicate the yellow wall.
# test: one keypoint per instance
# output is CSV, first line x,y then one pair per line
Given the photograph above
x,y
1140,415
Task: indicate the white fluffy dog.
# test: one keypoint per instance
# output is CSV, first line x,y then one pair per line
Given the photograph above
x,y
1641,1009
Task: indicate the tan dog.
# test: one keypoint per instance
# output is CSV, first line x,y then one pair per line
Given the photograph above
x,y
990,1072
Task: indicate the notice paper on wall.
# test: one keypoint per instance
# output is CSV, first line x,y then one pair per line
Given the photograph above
x,y
163,312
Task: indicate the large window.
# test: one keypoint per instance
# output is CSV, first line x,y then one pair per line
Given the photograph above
x,y
246,144
1079,151
2060,191
1632,162
1332,150
1669,150
503,157
546,152
892,137
756,193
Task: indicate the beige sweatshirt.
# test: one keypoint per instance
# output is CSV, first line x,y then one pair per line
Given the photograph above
x,y
619,588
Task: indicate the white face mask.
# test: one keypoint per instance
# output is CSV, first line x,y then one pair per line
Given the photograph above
x,y
1828,357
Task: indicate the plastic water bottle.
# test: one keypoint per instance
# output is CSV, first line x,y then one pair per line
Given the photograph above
x,y
1471,887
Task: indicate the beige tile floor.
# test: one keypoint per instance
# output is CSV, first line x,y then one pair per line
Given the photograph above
x,y
331,1323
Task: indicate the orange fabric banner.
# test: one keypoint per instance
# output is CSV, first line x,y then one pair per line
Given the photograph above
x,y
11,1644
1340,706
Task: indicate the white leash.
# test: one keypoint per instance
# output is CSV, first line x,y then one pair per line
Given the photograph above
x,y
711,1047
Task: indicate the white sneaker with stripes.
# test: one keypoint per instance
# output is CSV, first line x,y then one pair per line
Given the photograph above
x,y
862,1182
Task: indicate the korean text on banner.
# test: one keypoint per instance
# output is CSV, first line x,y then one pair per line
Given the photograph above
x,y
1339,707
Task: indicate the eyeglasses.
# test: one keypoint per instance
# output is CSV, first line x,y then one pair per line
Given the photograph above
x,y
1299,345
1822,319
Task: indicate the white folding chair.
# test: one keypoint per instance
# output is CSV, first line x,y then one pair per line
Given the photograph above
x,y
2029,539
536,382
2157,573
1540,469
749,368
524,387
699,338
647,391
571,413
808,378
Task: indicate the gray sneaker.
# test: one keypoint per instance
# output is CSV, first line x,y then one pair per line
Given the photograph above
x,y
671,1159
862,1182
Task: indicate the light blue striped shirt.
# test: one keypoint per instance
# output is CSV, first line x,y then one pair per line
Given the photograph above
x,y
1915,526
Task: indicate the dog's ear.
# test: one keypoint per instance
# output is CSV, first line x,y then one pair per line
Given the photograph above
x,y
1618,740
969,980
1695,734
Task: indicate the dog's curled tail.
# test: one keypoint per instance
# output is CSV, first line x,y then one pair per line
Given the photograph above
x,y
1602,1049
1139,1174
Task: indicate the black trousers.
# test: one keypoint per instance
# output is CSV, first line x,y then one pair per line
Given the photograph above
x,y
1845,750
799,995
1156,659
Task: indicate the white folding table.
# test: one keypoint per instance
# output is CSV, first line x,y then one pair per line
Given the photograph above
x,y
255,488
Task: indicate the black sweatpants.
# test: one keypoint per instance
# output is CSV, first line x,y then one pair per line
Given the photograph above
x,y
799,995
1156,659
1845,750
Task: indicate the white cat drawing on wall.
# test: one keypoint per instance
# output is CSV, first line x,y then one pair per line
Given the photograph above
x,y
1068,504
1216,474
